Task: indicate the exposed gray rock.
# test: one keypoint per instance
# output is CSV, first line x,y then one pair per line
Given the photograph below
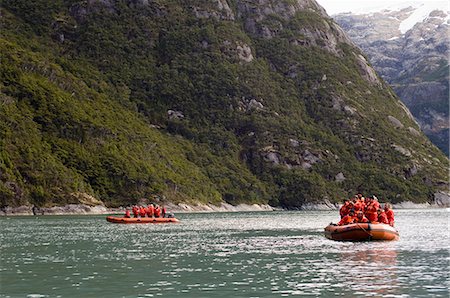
x,y
413,131
244,52
411,205
411,171
414,62
223,207
254,105
324,205
310,157
294,143
366,70
220,11
175,115
395,122
402,150
21,210
442,199
273,157
349,110
339,177
255,15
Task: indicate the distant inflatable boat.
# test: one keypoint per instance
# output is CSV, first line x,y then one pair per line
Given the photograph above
x,y
136,220
361,232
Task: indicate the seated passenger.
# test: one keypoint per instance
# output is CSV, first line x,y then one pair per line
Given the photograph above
x,y
389,213
157,211
127,213
150,210
382,218
348,219
142,211
345,209
358,206
375,202
135,211
360,218
371,212
163,211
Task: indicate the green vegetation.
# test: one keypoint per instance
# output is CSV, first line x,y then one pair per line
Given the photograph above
x,y
122,100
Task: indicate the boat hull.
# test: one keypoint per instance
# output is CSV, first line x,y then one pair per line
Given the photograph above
x,y
141,220
362,232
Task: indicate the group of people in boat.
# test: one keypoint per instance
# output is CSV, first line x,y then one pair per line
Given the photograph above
x,y
365,210
149,211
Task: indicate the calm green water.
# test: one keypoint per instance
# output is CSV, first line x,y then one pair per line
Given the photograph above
x,y
221,255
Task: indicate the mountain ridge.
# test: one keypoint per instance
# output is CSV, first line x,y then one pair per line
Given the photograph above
x,y
235,101
414,63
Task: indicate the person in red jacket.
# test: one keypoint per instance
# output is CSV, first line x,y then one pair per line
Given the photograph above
x,y
127,213
375,202
358,206
382,218
157,211
346,207
135,211
360,218
150,210
348,219
163,211
142,211
389,213
371,212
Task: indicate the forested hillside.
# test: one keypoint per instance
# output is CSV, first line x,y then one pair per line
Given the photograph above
x,y
198,101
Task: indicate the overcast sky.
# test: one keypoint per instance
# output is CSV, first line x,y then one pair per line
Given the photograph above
x,y
365,6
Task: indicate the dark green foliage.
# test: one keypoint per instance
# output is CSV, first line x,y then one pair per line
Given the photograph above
x,y
87,86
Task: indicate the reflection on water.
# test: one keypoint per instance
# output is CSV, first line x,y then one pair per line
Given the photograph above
x,y
222,255
372,269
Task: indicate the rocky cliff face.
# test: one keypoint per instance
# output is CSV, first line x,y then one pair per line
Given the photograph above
x,y
210,101
414,62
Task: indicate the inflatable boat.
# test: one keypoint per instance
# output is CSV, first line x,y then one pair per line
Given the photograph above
x,y
136,220
361,232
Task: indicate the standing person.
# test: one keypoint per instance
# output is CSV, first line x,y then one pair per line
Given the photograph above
x,y
389,213
163,211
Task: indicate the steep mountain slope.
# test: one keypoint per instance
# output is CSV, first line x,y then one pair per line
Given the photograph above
x,y
242,101
413,57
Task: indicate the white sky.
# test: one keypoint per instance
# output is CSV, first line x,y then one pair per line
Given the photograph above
x,y
367,6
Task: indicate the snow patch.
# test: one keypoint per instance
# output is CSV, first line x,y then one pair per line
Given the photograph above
x,y
419,15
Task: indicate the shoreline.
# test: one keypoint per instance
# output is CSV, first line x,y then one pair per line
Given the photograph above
x,y
82,209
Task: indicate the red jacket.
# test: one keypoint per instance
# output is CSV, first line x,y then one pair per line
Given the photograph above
x,y
150,211
142,211
382,218
157,212
135,211
344,210
390,216
362,219
371,213
127,213
348,219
